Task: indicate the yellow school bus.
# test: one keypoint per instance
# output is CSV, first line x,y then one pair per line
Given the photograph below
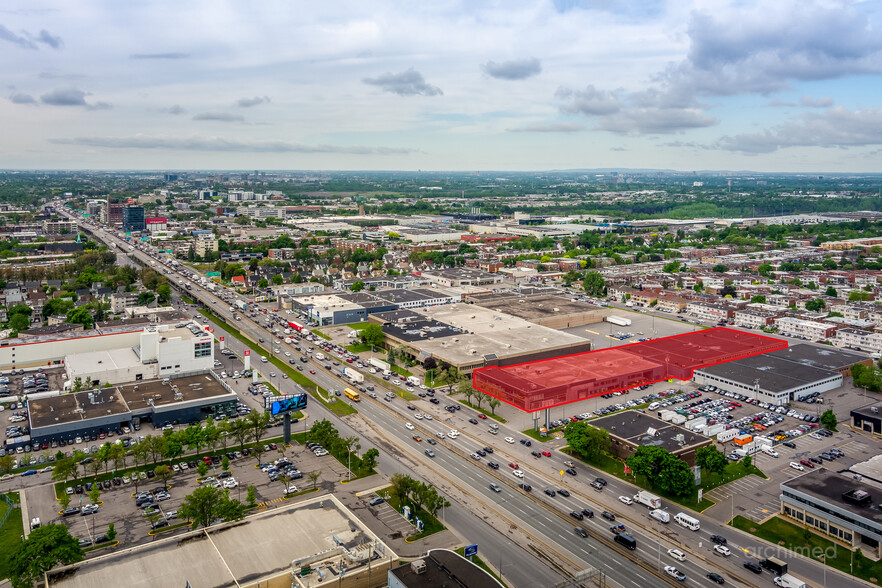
x,y
352,394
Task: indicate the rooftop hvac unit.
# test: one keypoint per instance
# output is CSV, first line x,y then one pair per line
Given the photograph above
x,y
874,409
418,567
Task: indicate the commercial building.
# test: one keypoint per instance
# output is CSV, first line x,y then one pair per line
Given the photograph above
x,y
547,310
417,235
631,429
868,419
113,212
835,505
133,219
205,243
440,567
156,224
462,276
352,307
322,541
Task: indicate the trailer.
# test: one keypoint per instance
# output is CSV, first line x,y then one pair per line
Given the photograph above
x,y
647,499
296,326
774,565
241,304
379,364
678,419
712,430
413,381
727,435
354,376
618,320
667,415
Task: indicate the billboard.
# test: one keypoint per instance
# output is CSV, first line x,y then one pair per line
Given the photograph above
x,y
282,404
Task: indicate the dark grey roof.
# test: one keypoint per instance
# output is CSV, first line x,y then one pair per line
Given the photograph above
x,y
821,356
444,568
830,486
417,330
634,427
768,370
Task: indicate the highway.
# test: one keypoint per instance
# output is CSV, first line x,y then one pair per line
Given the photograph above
x,y
544,519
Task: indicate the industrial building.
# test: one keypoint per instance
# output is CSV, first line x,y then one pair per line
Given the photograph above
x,y
160,402
784,375
835,505
353,307
440,567
868,418
324,541
547,310
538,385
631,429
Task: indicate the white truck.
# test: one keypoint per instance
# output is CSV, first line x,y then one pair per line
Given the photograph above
x,y
241,304
618,320
788,581
660,515
648,499
413,380
379,364
288,340
354,375
320,356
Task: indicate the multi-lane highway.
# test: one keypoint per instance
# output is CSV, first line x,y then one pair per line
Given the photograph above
x,y
542,519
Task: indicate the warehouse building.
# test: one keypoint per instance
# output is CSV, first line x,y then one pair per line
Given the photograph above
x,y
631,429
868,418
547,310
837,506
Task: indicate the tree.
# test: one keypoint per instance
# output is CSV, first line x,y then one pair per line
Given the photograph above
x,y
19,322
64,501
671,267
163,474
111,532
358,286
373,335
747,462
720,268
7,463
588,441
594,284
64,469
369,459
828,419
480,397
278,280
258,422
251,496
164,291
858,296
831,291
202,469
241,430
208,504
711,459
45,548
95,493
225,463
263,283
815,305
313,477
493,402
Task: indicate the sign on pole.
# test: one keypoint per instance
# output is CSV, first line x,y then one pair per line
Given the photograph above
x,y
470,550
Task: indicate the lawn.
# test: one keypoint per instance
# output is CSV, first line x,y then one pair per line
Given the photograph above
x,y
401,371
733,471
431,525
10,533
779,531
483,411
318,333
480,563
616,467
358,347
537,436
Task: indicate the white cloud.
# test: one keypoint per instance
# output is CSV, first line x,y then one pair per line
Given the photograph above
x,y
518,69
406,83
550,128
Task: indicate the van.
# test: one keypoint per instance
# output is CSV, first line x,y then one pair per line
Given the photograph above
x,y
660,515
626,540
685,520
494,426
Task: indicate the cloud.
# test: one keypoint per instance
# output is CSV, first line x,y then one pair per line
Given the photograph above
x,y
173,109
218,116
552,128
589,101
196,143
72,97
21,41
811,102
19,98
159,56
249,102
47,38
513,70
781,104
49,75
406,83
836,127
618,148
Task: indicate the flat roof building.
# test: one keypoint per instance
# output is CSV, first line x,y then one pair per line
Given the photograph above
x,y
548,310
631,429
441,567
868,418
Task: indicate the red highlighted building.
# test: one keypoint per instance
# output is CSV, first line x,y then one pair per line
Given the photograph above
x,y
539,385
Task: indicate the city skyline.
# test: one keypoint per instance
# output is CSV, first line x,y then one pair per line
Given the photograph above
x,y
557,84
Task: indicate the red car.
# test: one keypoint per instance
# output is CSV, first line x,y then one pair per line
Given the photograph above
x,y
312,372
513,465
806,463
207,460
482,417
546,453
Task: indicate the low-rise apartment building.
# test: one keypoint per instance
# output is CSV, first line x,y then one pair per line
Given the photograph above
x,y
805,329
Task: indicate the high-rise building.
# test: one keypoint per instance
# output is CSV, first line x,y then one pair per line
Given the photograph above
x,y
113,212
133,218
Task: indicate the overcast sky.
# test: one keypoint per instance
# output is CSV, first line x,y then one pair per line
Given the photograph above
x,y
771,85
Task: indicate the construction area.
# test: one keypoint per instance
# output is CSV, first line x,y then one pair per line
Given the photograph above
x,y
544,384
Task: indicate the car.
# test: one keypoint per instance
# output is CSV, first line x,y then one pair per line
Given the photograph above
x,y
563,493
89,509
526,487
626,500
577,515
580,532
753,567
677,554
481,452
159,524
714,577
312,372
483,417
493,465
675,573
417,438
409,426
475,456
69,490
789,444
431,441
546,453
510,440
526,442
571,471
377,501
608,515
796,466
718,540
535,454
430,453
518,473
600,481
495,487
70,511
473,421
550,492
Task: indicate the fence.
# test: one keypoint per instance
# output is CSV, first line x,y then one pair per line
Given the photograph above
x,y
9,511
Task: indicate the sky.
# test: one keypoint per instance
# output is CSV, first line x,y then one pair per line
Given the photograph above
x,y
508,85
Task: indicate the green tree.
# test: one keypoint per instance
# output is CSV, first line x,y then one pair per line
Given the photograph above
x,y
7,463
671,267
225,463
64,470
828,419
373,335
493,402
831,291
747,462
711,459
859,296
163,473
207,505
19,322
594,284
758,299
720,268
81,316
815,305
369,459
278,280
251,496
263,283
358,286
588,441
202,469
313,477
95,493
111,532
165,292
45,548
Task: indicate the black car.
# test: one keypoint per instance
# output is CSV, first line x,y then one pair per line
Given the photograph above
x,y
753,567
526,487
714,577
150,474
106,484
580,532
481,452
493,465
571,471
577,515
159,524
789,444
588,513
600,481
473,421
117,481
563,493
70,511
488,449
608,515
718,539
550,492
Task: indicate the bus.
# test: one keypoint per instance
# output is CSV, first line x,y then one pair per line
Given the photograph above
x,y
352,394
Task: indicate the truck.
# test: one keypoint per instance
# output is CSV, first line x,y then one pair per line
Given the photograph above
x,y
296,326
666,415
354,376
660,515
712,430
647,499
774,565
413,380
788,581
241,304
618,320
379,364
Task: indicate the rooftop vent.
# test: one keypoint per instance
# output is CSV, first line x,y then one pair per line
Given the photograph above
x,y
418,567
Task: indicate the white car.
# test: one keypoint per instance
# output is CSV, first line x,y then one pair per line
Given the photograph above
x,y
675,573
418,416
509,440
722,550
476,457
230,483
770,452
626,500
428,417
677,554
409,426
453,434
796,466
815,436
518,473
